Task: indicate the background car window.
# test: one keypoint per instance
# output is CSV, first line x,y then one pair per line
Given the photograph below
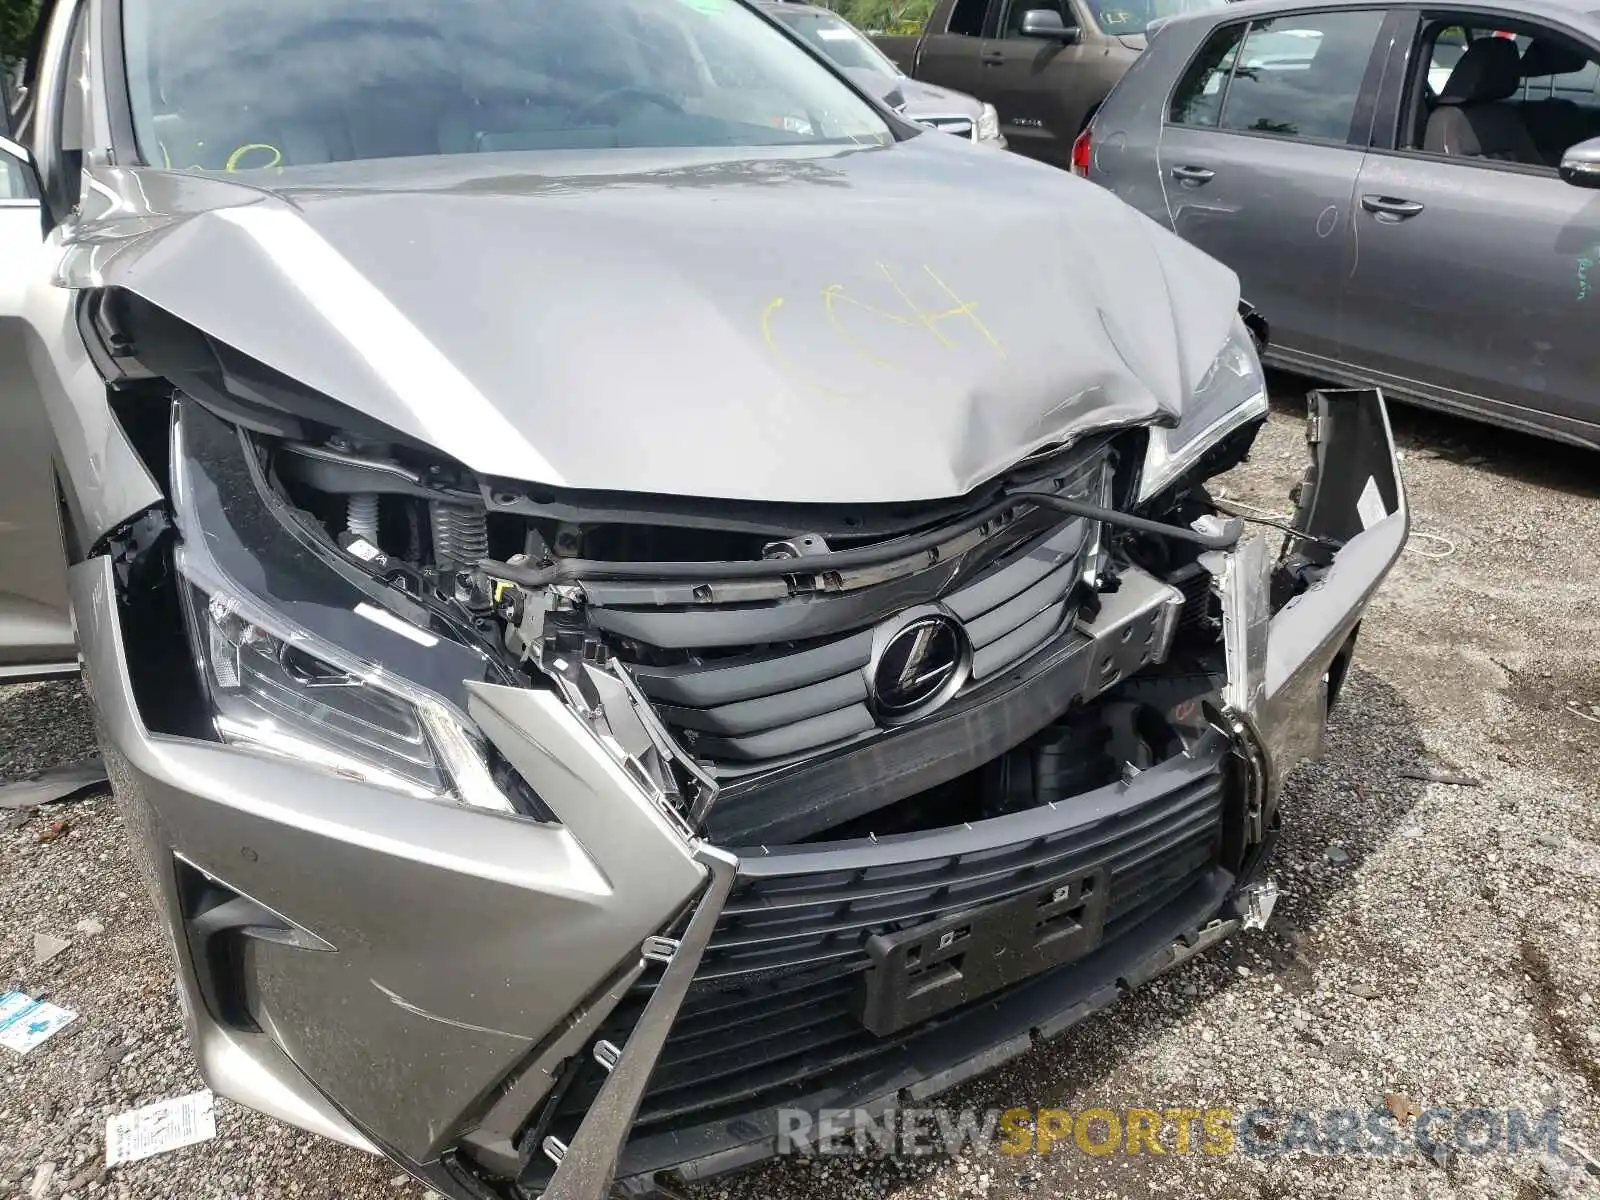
x,y
1132,16
966,17
1301,76
1197,100
1554,72
1448,48
837,39
227,85
16,183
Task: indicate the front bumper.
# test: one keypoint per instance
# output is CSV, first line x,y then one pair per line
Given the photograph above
x,y
413,977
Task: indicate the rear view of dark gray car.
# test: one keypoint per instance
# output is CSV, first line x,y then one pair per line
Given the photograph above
x,y
1402,187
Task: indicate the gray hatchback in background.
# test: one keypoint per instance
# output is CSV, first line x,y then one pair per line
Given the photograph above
x,y
1394,184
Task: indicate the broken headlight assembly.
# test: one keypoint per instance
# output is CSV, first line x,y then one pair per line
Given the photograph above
x,y
1231,394
288,648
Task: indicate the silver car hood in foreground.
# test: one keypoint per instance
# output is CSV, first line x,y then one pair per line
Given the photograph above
x,y
885,324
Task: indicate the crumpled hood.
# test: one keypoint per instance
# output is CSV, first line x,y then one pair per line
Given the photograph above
x,y
886,324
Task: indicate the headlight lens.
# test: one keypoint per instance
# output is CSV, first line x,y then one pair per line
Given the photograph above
x,y
286,694
1232,393
278,688
988,124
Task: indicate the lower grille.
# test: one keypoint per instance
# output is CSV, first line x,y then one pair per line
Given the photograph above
x,y
773,1013
1200,613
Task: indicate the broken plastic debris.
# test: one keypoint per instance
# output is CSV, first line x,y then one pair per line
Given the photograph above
x,y
46,946
1403,1107
1257,903
1454,780
43,1175
54,785
25,1022
160,1127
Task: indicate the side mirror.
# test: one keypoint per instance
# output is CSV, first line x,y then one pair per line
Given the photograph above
x,y
1046,23
1580,165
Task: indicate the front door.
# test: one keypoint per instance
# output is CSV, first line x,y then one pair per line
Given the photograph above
x,y
1034,83
35,628
1478,279
1259,158
949,57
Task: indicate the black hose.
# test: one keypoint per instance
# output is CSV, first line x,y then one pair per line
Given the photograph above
x,y
1110,516
574,570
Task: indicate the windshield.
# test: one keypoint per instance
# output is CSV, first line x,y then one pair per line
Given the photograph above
x,y
838,40
236,85
1132,16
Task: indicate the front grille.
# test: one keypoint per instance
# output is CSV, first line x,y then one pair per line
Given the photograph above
x,y
772,1013
1201,612
751,687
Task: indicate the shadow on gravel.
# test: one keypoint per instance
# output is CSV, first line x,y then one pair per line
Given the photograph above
x,y
43,725
1502,452
1336,812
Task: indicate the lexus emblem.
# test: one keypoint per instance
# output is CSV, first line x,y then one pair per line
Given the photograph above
x,y
919,660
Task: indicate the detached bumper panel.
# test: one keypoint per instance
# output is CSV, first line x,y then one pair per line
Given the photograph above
x,y
1355,496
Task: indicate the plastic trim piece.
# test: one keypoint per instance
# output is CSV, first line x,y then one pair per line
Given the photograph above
x,y
589,1162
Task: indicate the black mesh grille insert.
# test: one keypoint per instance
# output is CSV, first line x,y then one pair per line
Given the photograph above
x,y
772,1013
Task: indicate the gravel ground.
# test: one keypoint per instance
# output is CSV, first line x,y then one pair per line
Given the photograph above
x,y
1434,943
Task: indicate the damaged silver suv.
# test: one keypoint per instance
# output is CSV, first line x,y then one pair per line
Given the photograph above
x,y
601,628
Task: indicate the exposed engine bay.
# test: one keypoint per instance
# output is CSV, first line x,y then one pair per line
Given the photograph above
x,y
749,665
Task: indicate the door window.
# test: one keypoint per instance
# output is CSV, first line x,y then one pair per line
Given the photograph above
x,y
1296,77
1198,98
966,17
1496,95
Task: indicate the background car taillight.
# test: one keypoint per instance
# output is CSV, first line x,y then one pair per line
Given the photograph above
x,y
1080,155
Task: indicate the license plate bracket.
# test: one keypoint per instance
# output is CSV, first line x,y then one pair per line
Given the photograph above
x,y
920,972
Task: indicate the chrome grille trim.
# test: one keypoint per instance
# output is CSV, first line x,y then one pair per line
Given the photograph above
x,y
796,681
961,126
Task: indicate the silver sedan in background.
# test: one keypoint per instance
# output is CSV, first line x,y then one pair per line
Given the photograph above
x,y
873,71
1394,185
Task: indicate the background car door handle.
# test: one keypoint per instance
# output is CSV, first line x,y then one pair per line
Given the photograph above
x,y
1389,208
1193,174
992,58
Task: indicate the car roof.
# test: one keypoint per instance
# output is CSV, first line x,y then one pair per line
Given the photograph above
x,y
792,6
1510,8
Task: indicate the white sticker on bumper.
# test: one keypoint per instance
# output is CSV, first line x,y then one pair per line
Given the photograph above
x,y
1370,505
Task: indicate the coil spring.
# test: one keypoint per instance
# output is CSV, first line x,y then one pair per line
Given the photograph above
x,y
361,516
460,534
